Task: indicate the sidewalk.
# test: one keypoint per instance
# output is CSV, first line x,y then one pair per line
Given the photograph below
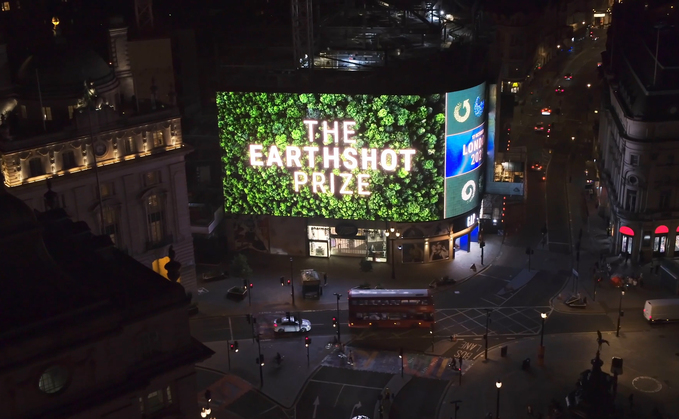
x,y
595,242
343,273
647,376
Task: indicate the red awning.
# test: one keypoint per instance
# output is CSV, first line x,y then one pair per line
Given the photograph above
x,y
626,231
662,230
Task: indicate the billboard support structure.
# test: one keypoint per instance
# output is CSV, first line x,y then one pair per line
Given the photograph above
x,y
303,33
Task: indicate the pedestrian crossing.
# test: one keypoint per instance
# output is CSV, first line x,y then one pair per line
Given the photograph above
x,y
414,364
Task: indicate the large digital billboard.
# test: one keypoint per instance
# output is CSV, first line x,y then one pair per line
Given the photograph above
x,y
465,143
354,157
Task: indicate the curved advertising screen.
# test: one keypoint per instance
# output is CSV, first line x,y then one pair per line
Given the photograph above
x,y
353,157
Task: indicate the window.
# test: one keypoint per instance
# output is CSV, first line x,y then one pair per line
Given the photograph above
x,y
130,146
5,6
106,189
110,221
35,167
54,379
634,159
664,202
154,401
154,212
71,108
631,202
68,160
158,139
47,113
676,243
152,178
24,112
149,344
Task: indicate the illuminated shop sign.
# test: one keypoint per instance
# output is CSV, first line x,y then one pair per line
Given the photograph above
x,y
336,151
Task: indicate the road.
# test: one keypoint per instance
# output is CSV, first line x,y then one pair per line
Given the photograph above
x,y
511,294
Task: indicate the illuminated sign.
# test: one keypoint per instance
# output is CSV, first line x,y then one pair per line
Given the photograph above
x,y
350,160
352,157
465,149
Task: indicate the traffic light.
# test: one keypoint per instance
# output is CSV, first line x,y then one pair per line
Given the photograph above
x,y
282,281
235,346
307,341
208,396
289,282
431,329
245,283
400,354
232,347
334,322
261,360
251,285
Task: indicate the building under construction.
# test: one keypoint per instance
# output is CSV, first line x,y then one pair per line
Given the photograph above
x,y
402,44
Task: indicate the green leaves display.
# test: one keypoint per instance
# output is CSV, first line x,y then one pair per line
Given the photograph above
x,y
387,121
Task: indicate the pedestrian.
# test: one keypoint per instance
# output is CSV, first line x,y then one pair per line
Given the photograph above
x,y
351,357
631,401
387,393
325,279
529,410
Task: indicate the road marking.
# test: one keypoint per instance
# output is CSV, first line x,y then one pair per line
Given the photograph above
x,y
230,329
338,395
343,384
442,368
490,302
370,359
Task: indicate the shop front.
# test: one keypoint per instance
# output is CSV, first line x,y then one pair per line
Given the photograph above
x,y
347,240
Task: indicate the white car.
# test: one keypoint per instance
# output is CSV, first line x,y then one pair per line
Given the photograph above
x,y
291,324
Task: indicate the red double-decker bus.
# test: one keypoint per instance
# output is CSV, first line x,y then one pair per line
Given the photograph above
x,y
391,308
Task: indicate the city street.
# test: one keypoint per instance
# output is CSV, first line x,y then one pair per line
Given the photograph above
x,y
507,296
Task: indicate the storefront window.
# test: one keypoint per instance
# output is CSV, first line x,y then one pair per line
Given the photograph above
x,y
626,239
660,240
676,241
318,249
319,233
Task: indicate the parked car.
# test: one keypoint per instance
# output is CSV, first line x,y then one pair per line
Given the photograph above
x,y
237,293
291,325
568,76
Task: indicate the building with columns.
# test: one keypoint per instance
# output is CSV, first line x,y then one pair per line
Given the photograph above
x,y
69,110
639,131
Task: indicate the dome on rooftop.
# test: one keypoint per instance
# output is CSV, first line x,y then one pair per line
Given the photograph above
x,y
62,70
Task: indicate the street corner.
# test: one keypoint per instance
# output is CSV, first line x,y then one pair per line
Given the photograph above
x,y
224,389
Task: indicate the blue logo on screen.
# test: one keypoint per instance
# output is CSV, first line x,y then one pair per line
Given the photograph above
x,y
478,106
465,151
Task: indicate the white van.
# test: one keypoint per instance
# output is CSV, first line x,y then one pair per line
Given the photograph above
x,y
664,310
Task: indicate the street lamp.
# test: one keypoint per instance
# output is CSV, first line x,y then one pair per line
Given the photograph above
x,y
617,332
543,316
589,85
339,337
292,284
498,384
392,234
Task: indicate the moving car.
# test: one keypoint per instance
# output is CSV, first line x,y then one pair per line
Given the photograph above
x,y
536,167
237,293
291,325
568,76
546,111
539,127
664,310
559,89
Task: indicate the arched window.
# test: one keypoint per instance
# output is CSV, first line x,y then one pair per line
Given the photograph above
x,y
676,241
662,230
